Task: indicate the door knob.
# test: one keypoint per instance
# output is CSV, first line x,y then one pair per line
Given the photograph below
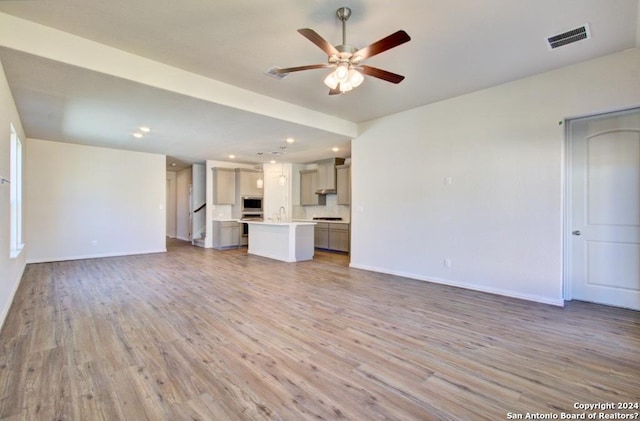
x,y
576,232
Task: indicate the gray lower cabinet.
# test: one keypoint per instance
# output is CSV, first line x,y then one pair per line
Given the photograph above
x,y
339,237
321,235
226,234
333,237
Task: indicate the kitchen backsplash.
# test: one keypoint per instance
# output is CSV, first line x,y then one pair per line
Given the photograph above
x,y
330,209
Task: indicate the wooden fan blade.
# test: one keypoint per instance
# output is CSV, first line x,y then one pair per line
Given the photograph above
x,y
380,46
381,74
300,68
335,91
324,45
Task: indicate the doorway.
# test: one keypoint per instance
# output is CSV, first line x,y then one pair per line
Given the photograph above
x,y
602,229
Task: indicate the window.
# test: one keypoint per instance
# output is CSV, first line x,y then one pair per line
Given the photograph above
x,y
16,194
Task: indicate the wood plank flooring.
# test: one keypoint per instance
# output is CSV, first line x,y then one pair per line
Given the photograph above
x,y
197,334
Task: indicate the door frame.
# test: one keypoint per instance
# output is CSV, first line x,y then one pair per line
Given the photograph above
x,y
566,205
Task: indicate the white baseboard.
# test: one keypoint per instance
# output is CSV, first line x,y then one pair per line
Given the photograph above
x,y
183,238
559,302
5,310
93,256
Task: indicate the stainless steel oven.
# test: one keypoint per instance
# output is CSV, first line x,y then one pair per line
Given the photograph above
x,y
251,216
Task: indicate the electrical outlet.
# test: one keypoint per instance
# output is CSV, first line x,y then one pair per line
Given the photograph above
x,y
446,263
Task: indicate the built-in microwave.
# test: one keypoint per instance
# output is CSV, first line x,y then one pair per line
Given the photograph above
x,y
251,204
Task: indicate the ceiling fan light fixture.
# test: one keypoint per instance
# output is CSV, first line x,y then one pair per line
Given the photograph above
x,y
342,73
331,81
344,78
345,87
355,77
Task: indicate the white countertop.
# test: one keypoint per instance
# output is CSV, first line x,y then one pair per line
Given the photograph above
x,y
292,223
321,220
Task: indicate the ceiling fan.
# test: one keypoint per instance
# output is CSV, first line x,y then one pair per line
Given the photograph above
x,y
347,59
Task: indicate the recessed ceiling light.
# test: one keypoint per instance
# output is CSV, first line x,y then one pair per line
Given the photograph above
x,y
290,140
173,164
232,156
335,149
145,129
138,135
273,161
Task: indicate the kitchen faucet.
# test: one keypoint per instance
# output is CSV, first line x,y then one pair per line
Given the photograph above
x,y
281,211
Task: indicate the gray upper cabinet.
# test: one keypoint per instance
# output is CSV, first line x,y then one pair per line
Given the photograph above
x,y
224,186
308,187
343,184
247,182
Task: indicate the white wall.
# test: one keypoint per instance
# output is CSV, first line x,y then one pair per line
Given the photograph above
x,y
85,201
183,224
10,269
276,195
499,222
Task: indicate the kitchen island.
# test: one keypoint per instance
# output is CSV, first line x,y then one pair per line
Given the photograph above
x,y
285,241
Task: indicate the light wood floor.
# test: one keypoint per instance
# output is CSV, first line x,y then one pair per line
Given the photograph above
x,y
199,334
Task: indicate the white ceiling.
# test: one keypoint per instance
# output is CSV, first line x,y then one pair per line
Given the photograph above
x,y
457,46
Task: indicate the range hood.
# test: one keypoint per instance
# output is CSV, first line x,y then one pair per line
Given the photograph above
x,y
326,191
327,175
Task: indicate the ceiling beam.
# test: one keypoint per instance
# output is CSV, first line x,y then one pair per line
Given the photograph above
x,y
33,38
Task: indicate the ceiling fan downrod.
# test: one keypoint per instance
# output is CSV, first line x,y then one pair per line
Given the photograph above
x,y
344,13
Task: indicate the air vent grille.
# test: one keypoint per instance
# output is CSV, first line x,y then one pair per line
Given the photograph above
x,y
569,37
272,72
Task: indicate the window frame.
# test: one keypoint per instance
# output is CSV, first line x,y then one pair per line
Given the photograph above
x,y
16,194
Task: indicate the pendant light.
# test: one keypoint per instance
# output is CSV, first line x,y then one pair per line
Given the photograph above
x,y
282,179
260,180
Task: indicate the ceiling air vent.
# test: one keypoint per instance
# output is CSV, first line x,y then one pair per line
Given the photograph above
x,y
569,37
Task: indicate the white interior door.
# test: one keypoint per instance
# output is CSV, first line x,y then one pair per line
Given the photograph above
x,y
604,209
